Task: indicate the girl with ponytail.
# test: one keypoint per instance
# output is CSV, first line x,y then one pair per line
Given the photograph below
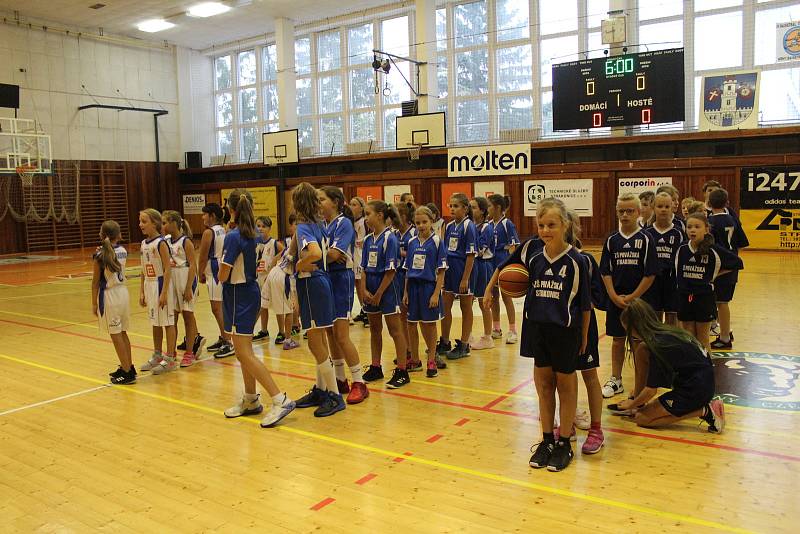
x,y
484,266
357,207
506,241
110,301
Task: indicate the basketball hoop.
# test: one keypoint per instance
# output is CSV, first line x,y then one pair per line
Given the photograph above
x,y
413,153
26,173
274,161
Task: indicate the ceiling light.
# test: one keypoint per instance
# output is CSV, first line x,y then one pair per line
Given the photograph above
x,y
208,9
154,25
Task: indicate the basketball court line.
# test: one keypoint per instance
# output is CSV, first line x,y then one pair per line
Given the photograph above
x,y
55,399
18,297
485,475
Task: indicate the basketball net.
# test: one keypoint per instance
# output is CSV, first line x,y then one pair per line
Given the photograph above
x,y
413,153
26,173
31,197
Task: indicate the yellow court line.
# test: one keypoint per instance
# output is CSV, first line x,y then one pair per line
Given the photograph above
x,y
17,297
415,459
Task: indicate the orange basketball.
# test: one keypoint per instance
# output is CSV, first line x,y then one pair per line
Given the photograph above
x,y
514,280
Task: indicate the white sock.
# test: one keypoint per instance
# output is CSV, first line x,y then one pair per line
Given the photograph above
x,y
278,399
320,381
725,339
355,371
338,366
325,370
251,398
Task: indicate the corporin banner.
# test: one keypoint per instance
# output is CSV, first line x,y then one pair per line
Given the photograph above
x,y
638,186
769,200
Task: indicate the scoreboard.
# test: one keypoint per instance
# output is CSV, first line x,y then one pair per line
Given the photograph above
x,y
627,90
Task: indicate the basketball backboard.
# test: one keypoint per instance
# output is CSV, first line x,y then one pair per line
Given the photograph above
x,y
281,147
426,130
24,144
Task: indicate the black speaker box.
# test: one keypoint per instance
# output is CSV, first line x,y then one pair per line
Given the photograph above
x,y
194,160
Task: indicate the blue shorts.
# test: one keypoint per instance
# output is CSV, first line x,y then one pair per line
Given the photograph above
x,y
399,282
724,287
661,295
316,302
453,274
390,301
241,304
419,295
482,273
343,283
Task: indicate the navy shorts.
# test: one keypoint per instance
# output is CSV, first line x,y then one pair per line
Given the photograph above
x,y
551,345
453,274
661,294
343,283
316,302
613,324
482,273
419,296
390,301
685,398
399,283
697,308
591,358
241,304
723,290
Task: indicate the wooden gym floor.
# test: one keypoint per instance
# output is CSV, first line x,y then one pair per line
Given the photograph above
x,y
448,454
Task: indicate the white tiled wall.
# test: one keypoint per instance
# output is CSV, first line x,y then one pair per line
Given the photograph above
x,y
56,66
196,101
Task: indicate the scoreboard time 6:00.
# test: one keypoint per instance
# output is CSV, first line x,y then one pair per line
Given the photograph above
x,y
628,90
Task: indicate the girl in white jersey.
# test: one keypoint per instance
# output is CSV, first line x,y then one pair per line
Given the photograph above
x,y
268,252
184,280
357,205
209,260
156,293
110,301
277,294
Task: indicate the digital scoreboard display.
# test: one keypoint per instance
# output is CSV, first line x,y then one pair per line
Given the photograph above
x,y
627,90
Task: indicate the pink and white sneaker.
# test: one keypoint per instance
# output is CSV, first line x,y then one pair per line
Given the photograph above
x,y
485,342
290,344
188,359
594,442
557,433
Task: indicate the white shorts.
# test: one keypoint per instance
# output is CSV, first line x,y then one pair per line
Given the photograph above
x,y
214,289
179,276
357,263
158,316
114,316
262,287
273,293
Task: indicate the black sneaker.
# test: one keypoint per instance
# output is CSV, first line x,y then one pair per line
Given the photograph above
x,y
197,347
722,345
225,350
366,321
442,348
279,339
432,370
314,397
262,334
375,372
561,456
331,403
440,363
399,379
124,378
461,350
541,456
118,371
214,347
182,346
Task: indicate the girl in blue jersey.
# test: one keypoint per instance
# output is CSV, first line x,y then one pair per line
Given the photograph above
x,y
380,263
461,240
666,239
209,257
405,232
184,280
425,264
308,252
110,300
268,251
241,304
484,265
341,244
506,242
156,292
555,331
698,263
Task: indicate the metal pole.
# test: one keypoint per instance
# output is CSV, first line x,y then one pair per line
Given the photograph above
x,y
158,153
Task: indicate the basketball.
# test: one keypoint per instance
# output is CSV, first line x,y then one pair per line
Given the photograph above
x,y
514,280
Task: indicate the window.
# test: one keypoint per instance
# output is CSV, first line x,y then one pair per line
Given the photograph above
x,y
247,68
330,94
472,120
662,35
441,29
653,9
224,109
222,68
362,126
470,22
765,31
395,36
472,72
302,56
359,44
330,136
554,51
249,141
707,52
248,108
362,88
514,69
704,5
304,103
329,51
512,20
596,12
780,95
515,112
558,16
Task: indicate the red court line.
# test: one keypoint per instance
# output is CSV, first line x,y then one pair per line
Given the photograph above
x,y
462,422
511,391
366,478
434,438
401,459
467,406
322,504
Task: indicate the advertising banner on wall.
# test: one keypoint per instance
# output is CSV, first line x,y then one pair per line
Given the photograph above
x,y
489,160
640,185
369,192
193,204
576,194
729,101
265,203
392,193
769,200
449,189
787,35
484,189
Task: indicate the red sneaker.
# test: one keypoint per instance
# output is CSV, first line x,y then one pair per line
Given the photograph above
x,y
343,386
358,393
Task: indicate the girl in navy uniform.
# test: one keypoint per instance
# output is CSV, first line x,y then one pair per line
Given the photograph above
x,y
357,206
461,240
184,280
405,232
555,332
484,265
341,244
675,195
425,264
729,234
646,207
268,251
209,258
380,263
670,356
506,241
698,263
110,300
666,239
315,297
241,304
156,293
628,266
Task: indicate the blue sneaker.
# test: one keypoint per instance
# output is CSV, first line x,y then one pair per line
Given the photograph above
x,y
333,403
314,397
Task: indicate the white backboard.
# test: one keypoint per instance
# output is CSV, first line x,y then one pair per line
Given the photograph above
x,y
281,147
427,130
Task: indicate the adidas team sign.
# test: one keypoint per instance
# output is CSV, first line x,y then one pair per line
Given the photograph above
x,y
489,160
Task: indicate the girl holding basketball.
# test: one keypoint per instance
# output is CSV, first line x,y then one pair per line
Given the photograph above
x,y
425,264
461,239
110,301
380,263
667,239
241,301
506,242
484,265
